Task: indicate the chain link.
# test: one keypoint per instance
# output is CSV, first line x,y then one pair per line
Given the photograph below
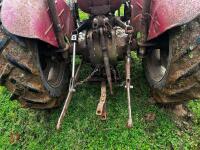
x,y
88,78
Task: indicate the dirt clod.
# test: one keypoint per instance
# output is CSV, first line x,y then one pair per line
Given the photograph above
x,y
150,117
14,137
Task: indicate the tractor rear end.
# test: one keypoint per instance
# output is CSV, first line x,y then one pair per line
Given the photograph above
x,y
39,49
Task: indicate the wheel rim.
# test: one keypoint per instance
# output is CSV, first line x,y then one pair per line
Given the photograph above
x,y
157,63
53,70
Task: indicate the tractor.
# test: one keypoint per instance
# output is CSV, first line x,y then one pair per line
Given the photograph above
x,y
42,39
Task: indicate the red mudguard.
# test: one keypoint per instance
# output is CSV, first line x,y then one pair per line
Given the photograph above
x,y
30,18
165,14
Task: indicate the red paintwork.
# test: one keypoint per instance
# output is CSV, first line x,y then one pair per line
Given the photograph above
x,y
29,18
165,14
86,5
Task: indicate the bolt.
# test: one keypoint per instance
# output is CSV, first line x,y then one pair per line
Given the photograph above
x,y
131,86
22,75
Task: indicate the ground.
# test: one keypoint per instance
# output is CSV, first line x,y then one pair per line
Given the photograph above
x,y
22,128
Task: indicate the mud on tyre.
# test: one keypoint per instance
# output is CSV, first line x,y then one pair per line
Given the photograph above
x,y
173,70
21,74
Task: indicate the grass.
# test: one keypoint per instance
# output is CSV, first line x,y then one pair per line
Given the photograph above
x,y
33,129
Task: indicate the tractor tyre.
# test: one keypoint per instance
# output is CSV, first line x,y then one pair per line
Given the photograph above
x,y
173,69
24,72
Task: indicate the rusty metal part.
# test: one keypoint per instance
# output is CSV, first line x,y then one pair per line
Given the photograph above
x,y
104,113
128,87
57,26
108,71
146,18
128,29
106,59
98,75
145,21
119,23
116,41
73,80
64,110
87,78
102,100
69,98
106,45
115,46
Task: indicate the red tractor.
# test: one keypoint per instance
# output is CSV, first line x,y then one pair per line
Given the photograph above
x,y
40,40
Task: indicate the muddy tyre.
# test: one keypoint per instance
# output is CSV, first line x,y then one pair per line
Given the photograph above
x,y
173,70
23,76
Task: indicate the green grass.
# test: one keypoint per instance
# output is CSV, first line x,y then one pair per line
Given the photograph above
x,y
82,129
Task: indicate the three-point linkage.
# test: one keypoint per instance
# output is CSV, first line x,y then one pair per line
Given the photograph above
x,y
73,80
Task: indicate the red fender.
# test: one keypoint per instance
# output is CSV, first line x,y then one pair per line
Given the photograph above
x,y
165,14
30,18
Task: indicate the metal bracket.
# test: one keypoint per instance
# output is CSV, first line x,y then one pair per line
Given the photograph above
x,y
101,107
